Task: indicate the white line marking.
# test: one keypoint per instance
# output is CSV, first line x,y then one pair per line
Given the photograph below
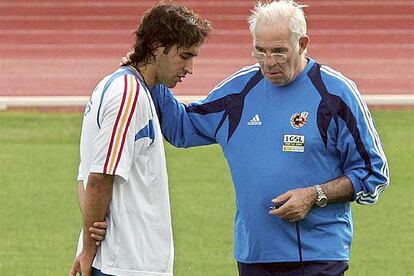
x,y
52,101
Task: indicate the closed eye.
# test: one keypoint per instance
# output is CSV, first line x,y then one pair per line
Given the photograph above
x,y
187,56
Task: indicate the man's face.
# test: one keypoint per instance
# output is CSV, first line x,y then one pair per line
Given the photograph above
x,y
284,67
174,65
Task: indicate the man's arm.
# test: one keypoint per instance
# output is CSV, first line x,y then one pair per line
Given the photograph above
x,y
338,190
357,141
365,168
180,127
95,205
98,231
298,202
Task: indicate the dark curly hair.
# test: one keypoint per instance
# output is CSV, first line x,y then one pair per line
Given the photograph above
x,y
167,25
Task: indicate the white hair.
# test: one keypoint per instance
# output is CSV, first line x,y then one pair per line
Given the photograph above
x,y
278,11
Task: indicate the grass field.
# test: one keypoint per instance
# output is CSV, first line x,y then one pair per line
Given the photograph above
x,y
40,218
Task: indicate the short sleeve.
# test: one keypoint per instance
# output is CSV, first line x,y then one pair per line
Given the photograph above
x,y
80,175
114,144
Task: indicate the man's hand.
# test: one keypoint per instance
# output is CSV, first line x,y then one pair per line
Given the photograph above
x,y
86,259
98,232
126,59
96,202
297,204
75,269
83,264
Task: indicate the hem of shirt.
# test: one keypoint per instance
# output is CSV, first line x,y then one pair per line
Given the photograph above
x,y
296,260
124,272
118,172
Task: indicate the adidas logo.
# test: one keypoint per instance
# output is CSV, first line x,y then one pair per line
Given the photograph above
x,y
255,121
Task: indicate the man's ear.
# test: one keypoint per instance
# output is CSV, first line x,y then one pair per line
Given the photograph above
x,y
157,49
303,43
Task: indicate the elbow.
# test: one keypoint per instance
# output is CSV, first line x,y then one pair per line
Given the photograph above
x,y
371,197
98,182
367,191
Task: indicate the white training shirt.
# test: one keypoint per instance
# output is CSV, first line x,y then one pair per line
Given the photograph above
x,y
121,136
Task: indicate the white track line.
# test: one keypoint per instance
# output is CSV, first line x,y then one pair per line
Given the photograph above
x,y
74,101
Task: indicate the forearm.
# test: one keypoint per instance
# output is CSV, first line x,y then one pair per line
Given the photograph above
x,y
95,205
181,128
176,125
295,204
338,190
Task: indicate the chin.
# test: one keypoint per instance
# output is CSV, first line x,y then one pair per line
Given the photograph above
x,y
170,84
280,82
277,82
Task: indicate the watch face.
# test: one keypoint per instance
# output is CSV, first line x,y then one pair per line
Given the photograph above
x,y
322,202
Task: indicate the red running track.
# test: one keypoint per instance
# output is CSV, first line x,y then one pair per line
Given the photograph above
x,y
63,48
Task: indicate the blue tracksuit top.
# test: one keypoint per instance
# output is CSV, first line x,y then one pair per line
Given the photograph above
x,y
278,138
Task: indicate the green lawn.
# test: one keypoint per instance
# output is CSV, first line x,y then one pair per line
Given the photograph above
x,y
40,218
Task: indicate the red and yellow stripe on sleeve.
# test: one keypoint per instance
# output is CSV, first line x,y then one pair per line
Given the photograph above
x,y
121,125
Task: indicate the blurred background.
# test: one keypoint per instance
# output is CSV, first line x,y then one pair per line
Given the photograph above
x,y
53,53
63,48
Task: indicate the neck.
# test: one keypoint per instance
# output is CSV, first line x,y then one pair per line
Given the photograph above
x,y
303,61
147,73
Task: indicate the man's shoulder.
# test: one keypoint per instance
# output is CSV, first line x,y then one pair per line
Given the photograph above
x,y
239,79
119,74
341,86
335,81
242,75
120,78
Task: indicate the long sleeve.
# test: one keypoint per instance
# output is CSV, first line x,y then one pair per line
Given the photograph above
x,y
180,126
363,158
211,120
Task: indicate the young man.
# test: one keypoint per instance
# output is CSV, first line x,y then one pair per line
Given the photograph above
x,y
295,134
123,174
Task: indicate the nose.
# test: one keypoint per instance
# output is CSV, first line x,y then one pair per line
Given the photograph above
x,y
188,67
269,61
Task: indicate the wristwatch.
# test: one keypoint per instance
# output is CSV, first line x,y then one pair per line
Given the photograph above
x,y
321,199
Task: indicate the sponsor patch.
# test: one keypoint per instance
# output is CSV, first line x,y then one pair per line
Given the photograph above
x,y
293,143
298,120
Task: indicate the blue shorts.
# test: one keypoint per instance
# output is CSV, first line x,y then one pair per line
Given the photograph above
x,y
293,269
97,272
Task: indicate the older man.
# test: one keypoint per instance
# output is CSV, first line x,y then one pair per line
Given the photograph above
x,y
298,138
